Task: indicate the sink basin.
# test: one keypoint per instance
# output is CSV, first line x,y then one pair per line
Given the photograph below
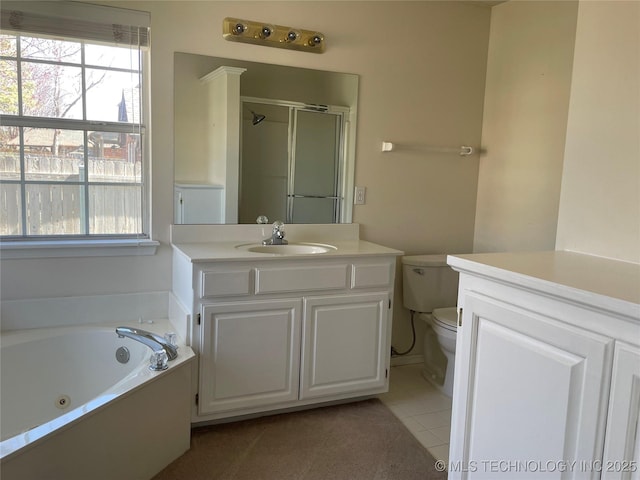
x,y
289,249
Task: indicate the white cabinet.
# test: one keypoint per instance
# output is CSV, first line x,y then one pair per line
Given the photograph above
x,y
345,337
280,334
547,375
536,389
622,445
197,204
249,355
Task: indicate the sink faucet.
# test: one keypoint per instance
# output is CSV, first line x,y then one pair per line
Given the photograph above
x,y
155,342
277,235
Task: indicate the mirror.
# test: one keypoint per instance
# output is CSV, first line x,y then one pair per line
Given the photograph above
x,y
256,139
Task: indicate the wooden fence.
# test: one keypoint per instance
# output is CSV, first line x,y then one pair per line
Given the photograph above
x,y
59,208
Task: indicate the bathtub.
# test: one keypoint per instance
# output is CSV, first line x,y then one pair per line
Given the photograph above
x,y
71,410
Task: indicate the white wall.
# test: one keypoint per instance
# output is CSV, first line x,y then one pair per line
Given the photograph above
x,y
525,119
600,200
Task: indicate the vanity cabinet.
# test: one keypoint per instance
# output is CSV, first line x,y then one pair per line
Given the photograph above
x,y
249,354
281,333
344,347
545,374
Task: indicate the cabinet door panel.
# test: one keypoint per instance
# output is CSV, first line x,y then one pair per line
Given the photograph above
x,y
622,446
532,381
249,355
344,346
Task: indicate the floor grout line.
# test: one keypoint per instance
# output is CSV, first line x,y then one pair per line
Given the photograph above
x,y
411,396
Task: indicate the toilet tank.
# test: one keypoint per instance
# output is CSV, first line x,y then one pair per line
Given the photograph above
x,y
428,283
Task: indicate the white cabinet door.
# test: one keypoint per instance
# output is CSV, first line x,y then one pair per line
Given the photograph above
x,y
195,204
345,344
622,444
528,396
249,354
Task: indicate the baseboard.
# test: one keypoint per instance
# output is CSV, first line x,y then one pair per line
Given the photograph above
x,y
406,360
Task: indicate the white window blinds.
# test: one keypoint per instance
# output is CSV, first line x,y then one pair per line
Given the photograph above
x,y
77,20
73,146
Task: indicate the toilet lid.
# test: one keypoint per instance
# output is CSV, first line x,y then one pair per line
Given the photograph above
x,y
446,317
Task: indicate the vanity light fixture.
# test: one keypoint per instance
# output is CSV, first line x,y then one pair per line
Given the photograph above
x,y
248,31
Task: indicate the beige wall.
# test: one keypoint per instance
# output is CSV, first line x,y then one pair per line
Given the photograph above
x,y
524,125
422,69
420,86
561,129
600,201
422,83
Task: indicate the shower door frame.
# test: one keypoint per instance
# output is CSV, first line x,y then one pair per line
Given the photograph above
x,y
344,168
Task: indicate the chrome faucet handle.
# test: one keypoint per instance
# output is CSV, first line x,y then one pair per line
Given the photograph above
x,y
158,361
278,233
262,220
278,226
172,339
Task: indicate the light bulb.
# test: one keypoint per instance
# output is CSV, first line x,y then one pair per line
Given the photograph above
x,y
292,36
239,29
315,40
266,31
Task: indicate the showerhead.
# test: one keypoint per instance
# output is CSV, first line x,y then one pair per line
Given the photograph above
x,y
257,118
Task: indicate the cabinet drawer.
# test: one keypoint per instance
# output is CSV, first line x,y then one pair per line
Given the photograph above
x,y
373,275
226,283
297,279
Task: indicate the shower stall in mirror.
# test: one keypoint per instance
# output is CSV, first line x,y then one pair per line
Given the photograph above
x,y
292,161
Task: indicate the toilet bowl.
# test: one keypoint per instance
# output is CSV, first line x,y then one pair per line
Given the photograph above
x,y
430,290
444,324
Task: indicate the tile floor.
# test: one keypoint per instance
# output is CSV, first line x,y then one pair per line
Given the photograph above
x,y
421,407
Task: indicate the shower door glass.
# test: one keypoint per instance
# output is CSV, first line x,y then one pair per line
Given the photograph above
x,y
291,163
264,164
314,177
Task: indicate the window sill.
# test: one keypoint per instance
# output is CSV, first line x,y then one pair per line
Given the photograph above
x,y
77,248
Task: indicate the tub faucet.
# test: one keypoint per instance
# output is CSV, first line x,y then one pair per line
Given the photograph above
x,y
277,235
151,340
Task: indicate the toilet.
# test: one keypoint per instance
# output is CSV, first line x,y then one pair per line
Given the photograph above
x,y
430,290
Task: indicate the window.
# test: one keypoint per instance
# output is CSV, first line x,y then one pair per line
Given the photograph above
x,y
72,123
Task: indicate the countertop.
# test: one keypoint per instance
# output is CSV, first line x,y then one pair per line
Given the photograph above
x,y
227,251
586,279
